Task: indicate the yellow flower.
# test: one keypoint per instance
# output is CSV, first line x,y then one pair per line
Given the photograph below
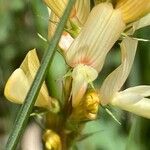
x,y
21,79
102,28
132,99
79,12
89,49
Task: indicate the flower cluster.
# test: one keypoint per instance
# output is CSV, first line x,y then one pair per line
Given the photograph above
x,y
85,43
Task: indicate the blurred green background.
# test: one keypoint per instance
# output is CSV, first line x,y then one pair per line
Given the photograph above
x,y
20,21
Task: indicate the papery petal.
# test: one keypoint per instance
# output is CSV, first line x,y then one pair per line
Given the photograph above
x,y
57,6
116,79
79,12
96,37
133,9
30,64
143,90
133,103
20,81
30,67
143,22
66,38
82,10
52,24
82,75
65,41
17,87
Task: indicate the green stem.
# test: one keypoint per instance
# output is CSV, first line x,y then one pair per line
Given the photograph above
x,y
26,109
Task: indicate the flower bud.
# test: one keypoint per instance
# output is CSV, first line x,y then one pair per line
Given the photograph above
x,y
52,140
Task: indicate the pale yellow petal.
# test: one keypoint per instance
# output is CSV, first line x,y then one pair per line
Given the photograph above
x,y
82,75
21,80
79,12
17,87
82,8
133,9
143,22
65,42
30,67
116,79
57,6
52,24
133,103
30,64
101,30
143,90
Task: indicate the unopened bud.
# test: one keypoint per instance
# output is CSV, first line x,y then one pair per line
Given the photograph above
x,y
52,140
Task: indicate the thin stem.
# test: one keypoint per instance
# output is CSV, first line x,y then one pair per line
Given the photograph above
x,y
26,109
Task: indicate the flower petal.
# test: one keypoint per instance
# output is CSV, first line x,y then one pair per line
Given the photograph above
x,y
65,42
133,9
52,24
116,79
96,37
30,64
82,10
17,87
143,90
133,103
20,81
57,6
82,75
79,12
143,22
